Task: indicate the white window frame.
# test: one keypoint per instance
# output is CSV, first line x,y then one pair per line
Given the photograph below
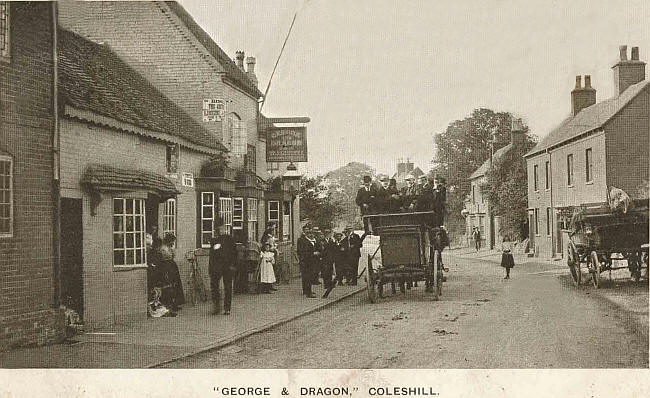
x,y
139,228
169,217
205,219
252,213
237,213
188,180
589,165
276,219
286,219
569,170
5,53
536,178
225,212
10,191
238,138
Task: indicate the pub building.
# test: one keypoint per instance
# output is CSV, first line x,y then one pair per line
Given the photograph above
x,y
222,175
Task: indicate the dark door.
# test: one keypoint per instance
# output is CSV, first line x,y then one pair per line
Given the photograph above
x,y
72,255
531,234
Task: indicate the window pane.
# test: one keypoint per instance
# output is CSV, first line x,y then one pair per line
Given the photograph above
x,y
118,224
138,257
138,206
206,226
118,241
129,257
118,257
129,223
207,212
129,206
138,240
207,198
118,206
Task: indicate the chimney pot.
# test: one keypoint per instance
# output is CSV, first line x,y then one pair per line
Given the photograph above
x,y
628,73
635,53
250,64
578,82
239,59
587,81
622,50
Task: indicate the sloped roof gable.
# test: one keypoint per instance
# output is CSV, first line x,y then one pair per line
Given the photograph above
x,y
486,165
93,78
588,119
233,72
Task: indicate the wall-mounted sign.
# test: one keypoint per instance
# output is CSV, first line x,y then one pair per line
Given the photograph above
x,y
213,110
286,144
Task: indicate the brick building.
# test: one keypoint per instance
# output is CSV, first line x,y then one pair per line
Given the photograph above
x,y
28,293
181,60
128,160
599,146
477,208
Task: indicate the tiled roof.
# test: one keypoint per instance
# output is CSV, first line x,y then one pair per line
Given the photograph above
x,y
232,71
589,118
93,78
486,165
99,176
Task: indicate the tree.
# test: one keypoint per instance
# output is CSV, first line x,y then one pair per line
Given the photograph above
x,y
316,204
462,148
506,188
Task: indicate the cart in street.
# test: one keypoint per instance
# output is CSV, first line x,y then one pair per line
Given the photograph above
x,y
601,240
410,252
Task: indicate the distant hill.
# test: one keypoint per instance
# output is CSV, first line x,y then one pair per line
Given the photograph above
x,y
343,184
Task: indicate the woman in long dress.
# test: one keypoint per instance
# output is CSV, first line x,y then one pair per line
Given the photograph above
x,y
507,260
267,276
174,297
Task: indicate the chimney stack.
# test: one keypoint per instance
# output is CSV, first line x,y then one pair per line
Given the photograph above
x,y
517,132
239,59
628,72
582,97
250,69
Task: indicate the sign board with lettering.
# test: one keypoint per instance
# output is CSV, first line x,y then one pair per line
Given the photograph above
x,y
286,144
213,110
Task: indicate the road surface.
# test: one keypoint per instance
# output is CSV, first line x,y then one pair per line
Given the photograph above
x,y
537,319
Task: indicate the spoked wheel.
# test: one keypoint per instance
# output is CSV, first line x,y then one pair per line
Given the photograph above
x,y
574,265
436,280
594,269
370,279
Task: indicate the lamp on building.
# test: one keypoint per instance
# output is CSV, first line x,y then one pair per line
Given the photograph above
x,y
291,180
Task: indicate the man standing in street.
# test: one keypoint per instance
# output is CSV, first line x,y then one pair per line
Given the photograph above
x,y
223,262
476,235
353,244
327,270
307,258
365,198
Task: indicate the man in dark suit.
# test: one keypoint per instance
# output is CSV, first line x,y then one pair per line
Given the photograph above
x,y
308,259
340,259
327,266
223,262
353,244
381,203
439,200
365,199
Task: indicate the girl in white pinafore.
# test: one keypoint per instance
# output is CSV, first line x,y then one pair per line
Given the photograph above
x,y
267,275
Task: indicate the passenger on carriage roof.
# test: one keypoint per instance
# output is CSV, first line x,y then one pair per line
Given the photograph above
x,y
382,197
409,194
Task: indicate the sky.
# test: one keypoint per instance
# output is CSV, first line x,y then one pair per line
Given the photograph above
x,y
380,78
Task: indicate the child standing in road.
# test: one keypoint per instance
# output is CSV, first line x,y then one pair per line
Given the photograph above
x,y
507,260
267,275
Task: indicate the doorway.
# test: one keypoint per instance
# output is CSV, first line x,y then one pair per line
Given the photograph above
x,y
72,255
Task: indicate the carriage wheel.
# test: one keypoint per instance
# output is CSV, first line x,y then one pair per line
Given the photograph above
x,y
574,265
370,279
436,280
594,269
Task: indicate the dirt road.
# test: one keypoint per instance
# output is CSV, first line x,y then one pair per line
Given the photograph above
x,y
534,320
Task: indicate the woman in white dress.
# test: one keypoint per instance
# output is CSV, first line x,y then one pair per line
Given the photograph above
x,y
267,276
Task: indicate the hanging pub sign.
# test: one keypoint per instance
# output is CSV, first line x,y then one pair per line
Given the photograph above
x,y
286,144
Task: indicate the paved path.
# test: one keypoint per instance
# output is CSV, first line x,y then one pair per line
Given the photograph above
x,y
534,320
155,340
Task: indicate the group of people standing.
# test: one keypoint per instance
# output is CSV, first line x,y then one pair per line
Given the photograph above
x,y
332,256
427,194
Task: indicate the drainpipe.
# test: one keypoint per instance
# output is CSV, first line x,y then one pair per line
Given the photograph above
x,y
550,185
56,142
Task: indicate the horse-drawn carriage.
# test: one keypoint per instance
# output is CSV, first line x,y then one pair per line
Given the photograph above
x,y
410,252
601,238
